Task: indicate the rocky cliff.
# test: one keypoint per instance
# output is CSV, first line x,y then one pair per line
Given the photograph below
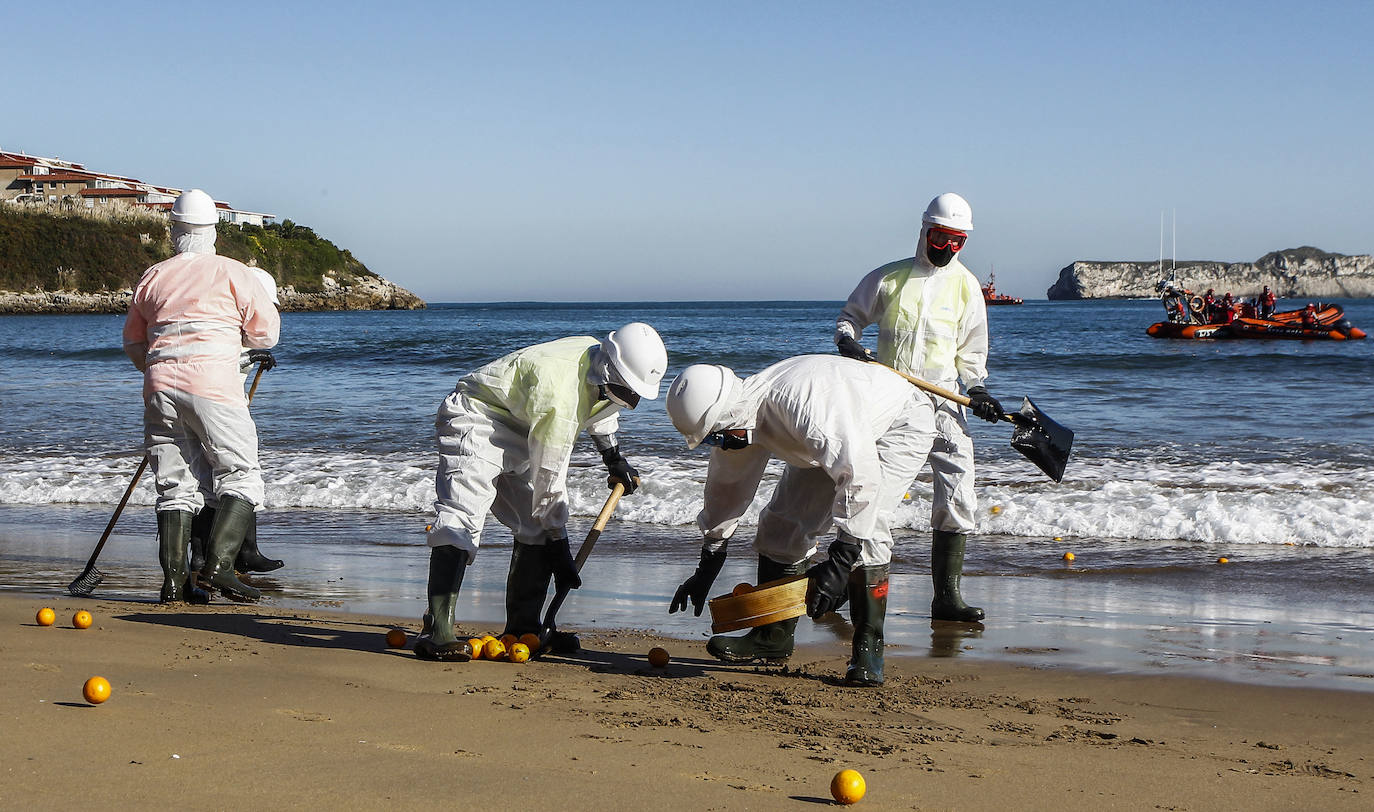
x,y
1295,273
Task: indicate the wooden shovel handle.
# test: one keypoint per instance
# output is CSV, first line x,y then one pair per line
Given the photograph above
x,y
601,519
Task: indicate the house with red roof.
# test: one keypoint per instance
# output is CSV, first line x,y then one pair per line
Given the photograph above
x,y
35,180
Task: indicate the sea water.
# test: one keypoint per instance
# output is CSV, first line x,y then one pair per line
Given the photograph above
x,y
1185,452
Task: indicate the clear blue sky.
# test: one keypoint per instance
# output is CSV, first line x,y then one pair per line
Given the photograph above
x,y
764,150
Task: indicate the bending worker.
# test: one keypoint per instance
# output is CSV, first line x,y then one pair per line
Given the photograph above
x,y
933,325
189,318
505,435
250,557
853,436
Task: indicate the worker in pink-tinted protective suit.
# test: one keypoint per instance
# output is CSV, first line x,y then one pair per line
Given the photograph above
x,y
189,319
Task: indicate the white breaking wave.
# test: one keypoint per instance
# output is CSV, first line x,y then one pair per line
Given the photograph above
x,y
1233,503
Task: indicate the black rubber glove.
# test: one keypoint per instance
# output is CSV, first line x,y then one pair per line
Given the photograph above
x,y
560,559
620,470
984,405
694,589
263,358
850,348
828,584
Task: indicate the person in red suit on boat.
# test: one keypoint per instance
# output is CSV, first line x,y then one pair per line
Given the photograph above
x,y
1267,302
1209,306
1228,307
1309,315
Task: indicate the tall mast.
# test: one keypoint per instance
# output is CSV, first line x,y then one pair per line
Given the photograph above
x,y
1173,261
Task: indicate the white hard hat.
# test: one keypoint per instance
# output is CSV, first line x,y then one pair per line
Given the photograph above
x,y
698,397
195,208
267,282
637,355
951,211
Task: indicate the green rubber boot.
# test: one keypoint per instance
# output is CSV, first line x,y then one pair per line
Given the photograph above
x,y
173,529
527,585
867,611
200,537
226,537
250,558
946,567
771,642
437,639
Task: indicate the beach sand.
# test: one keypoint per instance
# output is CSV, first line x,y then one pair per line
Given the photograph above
x,y
222,706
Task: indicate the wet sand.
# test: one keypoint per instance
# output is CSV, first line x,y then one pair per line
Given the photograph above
x,y
216,707
1250,621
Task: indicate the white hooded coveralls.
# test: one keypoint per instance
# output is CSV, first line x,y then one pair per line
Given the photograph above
x,y
505,436
853,436
932,324
189,319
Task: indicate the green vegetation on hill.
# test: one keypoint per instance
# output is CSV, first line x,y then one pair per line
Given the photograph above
x,y
107,249
291,252
48,249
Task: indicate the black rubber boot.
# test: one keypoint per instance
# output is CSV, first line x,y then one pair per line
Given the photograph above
x,y
946,567
250,558
527,585
867,611
200,537
226,537
771,642
437,639
173,528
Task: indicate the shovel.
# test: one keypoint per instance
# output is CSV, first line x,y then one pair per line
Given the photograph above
x,y
1038,438
546,633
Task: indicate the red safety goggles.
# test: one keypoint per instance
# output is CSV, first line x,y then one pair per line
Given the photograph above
x,y
940,238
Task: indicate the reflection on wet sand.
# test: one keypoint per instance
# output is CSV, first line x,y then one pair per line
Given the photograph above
x,y
947,638
376,564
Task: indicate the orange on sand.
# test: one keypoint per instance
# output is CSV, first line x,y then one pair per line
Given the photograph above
x,y
509,640
46,617
96,690
742,589
658,657
82,620
847,786
396,638
488,638
519,653
476,644
531,640
494,650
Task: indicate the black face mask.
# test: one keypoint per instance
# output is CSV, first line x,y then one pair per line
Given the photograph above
x,y
623,395
939,257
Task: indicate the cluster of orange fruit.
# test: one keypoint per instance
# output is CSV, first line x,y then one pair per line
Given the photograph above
x,y
508,647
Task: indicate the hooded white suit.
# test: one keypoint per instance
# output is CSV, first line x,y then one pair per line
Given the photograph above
x,y
506,434
932,324
853,436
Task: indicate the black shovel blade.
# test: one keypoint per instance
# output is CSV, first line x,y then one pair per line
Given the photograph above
x,y
1041,440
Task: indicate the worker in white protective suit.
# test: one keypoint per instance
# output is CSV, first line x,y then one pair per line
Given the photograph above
x,y
932,324
250,557
189,318
505,437
852,436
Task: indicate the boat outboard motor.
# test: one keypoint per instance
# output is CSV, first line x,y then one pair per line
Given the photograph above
x,y
1344,327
